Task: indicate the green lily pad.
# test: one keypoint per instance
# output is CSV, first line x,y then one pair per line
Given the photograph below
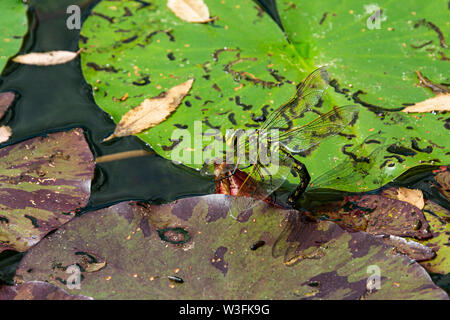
x,y
36,290
376,68
141,51
195,249
373,50
43,181
244,68
13,26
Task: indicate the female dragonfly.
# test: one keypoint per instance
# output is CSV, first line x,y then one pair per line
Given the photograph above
x,y
264,177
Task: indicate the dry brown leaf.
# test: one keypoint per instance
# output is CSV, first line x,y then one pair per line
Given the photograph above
x,y
190,10
151,111
412,196
440,102
5,133
47,58
93,267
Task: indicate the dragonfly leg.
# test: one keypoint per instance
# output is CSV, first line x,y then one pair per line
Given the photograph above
x,y
304,176
301,170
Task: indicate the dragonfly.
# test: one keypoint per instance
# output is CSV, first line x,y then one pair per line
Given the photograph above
x,y
279,139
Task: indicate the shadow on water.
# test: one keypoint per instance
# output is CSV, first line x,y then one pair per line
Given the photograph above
x,y
57,98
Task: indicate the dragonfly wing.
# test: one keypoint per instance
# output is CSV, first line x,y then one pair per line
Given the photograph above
x,y
248,194
307,95
232,159
329,124
262,181
282,245
354,170
299,239
289,242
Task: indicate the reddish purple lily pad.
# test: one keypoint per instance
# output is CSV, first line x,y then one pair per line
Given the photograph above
x,y
42,182
443,180
37,290
6,99
216,255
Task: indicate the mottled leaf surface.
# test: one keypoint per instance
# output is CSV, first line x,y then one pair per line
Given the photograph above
x,y
392,219
374,48
37,290
442,178
13,26
42,182
237,75
198,241
439,219
376,214
374,52
244,69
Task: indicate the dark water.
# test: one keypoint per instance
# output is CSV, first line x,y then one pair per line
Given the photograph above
x,y
57,98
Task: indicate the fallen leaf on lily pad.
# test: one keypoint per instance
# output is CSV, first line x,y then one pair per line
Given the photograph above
x,y
151,112
42,182
6,99
93,267
194,249
376,214
412,196
37,290
440,102
190,10
46,58
5,133
90,262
